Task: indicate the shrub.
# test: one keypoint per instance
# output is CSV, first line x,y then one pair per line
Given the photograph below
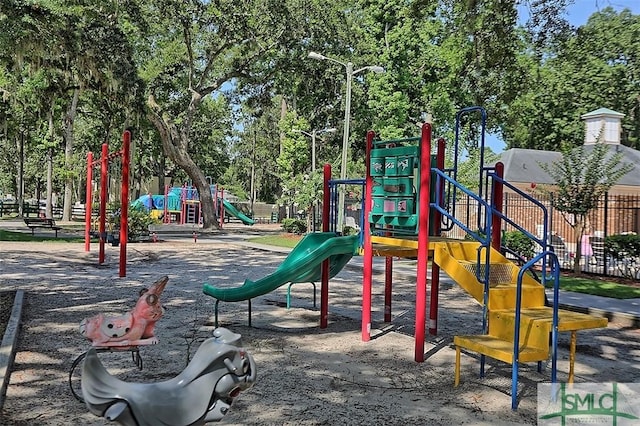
x,y
515,241
138,221
621,246
519,243
468,236
294,226
349,230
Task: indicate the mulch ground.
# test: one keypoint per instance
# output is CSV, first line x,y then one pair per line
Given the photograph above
x,y
6,305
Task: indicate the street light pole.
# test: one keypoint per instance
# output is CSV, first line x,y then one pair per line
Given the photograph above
x,y
313,135
347,116
345,148
313,151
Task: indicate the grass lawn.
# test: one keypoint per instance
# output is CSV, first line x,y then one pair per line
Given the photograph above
x,y
583,284
283,240
27,237
600,287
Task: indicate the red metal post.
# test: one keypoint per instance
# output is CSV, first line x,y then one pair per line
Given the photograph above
x,y
423,241
324,271
183,206
104,165
496,202
435,268
165,216
124,203
87,203
367,271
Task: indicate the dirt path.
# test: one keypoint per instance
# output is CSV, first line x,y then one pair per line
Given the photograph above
x,y
306,376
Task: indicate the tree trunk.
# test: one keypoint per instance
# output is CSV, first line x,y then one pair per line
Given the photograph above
x,y
578,255
20,177
579,231
159,172
68,153
175,142
283,113
204,192
49,210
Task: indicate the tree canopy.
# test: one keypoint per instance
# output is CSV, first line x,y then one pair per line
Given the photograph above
x,y
210,88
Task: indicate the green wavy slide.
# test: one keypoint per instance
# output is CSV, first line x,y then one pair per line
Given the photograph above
x,y
235,212
301,265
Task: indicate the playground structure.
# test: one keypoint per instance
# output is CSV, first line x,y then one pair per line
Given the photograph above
x,y
185,206
103,162
181,205
516,323
409,199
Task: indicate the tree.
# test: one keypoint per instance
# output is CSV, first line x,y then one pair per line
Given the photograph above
x,y
207,45
76,48
582,176
294,162
580,70
254,150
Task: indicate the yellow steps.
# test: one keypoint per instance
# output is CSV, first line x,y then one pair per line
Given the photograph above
x,y
535,328
567,320
534,332
460,260
499,349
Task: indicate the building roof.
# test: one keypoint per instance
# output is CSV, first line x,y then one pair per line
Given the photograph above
x,y
601,112
629,155
523,165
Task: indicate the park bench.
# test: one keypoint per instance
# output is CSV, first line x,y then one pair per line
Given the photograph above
x,y
40,222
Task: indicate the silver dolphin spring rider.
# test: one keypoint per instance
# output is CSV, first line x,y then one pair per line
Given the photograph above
x,y
203,392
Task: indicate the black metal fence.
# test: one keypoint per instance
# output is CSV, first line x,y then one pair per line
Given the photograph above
x,y
11,208
28,209
615,214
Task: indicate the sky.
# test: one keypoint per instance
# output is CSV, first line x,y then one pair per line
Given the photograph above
x,y
578,14
580,11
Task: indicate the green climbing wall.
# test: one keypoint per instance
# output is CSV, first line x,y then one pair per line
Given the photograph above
x,y
395,173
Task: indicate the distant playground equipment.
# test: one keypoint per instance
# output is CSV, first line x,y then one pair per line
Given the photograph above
x,y
181,205
410,205
103,162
